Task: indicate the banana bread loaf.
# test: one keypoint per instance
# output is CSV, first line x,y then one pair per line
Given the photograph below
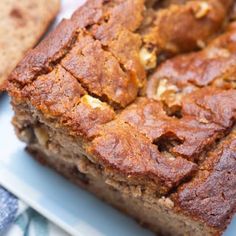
x,y
162,149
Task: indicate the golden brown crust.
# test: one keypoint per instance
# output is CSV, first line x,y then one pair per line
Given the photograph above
x,y
99,71
170,133
184,27
122,148
214,65
212,105
211,195
54,94
59,96
95,20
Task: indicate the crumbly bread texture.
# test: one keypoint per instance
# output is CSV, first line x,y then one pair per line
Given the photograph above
x,y
22,23
108,101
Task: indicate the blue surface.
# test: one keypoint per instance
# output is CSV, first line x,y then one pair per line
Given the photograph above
x,y
8,209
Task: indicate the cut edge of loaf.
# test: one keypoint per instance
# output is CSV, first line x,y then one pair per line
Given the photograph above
x,y
58,150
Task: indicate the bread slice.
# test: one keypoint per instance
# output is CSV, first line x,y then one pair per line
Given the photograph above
x,y
22,23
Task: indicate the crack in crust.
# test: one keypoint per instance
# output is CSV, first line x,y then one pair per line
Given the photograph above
x,y
211,194
213,66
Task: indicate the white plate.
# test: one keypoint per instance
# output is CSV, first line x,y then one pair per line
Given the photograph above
x,y
73,209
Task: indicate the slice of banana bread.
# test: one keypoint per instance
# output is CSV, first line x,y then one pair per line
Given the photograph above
x,y
22,24
81,106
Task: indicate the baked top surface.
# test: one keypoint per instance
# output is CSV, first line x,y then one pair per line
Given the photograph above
x,y
112,76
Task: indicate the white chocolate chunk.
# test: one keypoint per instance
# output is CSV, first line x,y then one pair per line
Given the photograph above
x,y
202,10
91,101
148,59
